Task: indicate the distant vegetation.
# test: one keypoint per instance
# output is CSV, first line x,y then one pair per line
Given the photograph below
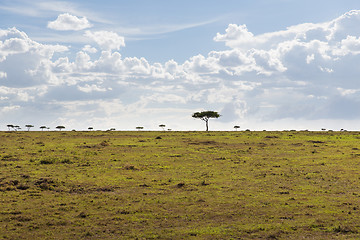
x,y
60,128
29,126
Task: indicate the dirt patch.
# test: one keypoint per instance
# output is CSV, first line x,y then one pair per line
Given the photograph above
x,y
203,143
313,141
46,184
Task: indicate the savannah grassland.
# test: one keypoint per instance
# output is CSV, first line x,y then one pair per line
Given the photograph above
x,y
180,185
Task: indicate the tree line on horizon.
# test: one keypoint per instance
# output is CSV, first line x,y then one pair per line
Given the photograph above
x,y
203,115
29,126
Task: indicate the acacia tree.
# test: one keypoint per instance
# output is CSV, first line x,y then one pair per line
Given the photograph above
x,y
60,127
42,128
162,126
139,128
205,116
29,126
236,127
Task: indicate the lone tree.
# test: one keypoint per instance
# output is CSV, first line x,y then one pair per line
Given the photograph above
x,y
90,128
205,116
60,127
42,128
29,126
162,126
236,127
139,128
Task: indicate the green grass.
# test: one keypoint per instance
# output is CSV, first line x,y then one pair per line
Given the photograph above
x,y
183,185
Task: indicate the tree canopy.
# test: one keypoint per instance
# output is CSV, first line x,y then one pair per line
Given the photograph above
x,y
205,116
60,127
29,126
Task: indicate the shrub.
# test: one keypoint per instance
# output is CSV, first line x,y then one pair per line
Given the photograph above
x,y
47,161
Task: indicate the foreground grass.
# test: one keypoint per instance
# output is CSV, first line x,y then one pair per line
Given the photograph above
x,y
179,185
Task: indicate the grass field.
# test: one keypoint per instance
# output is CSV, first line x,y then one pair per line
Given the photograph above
x,y
180,185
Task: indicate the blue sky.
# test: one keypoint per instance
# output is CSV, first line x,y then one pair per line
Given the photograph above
x,y
263,64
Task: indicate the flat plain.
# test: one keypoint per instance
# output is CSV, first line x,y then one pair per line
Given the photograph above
x,y
180,185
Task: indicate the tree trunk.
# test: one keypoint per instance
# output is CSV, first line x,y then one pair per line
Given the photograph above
x,y
207,125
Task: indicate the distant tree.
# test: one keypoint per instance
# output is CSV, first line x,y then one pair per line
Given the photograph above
x,y
10,126
90,128
60,127
323,129
42,128
236,127
17,127
205,116
29,126
162,126
139,128
112,129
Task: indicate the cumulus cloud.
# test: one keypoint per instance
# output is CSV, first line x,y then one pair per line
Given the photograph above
x,y
89,49
26,62
308,71
235,35
107,40
67,21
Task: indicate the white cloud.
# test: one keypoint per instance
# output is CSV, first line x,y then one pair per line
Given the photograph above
x,y
350,45
10,108
137,66
89,49
308,71
92,88
310,58
107,40
3,75
235,35
327,70
26,62
66,21
83,61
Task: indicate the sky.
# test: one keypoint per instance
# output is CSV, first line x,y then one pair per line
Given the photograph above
x,y
262,64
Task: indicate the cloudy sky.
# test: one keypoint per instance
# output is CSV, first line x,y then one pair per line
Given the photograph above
x,y
262,64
